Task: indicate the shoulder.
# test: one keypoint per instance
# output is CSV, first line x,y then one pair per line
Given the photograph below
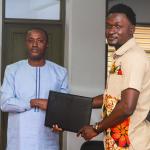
x,y
137,54
12,68
56,68
136,58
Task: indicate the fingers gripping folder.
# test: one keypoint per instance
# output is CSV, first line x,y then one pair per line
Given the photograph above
x,y
68,111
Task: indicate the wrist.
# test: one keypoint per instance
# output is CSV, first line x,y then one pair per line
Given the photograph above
x,y
97,127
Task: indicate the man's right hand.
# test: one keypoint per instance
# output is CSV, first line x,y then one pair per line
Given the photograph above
x,y
97,101
39,103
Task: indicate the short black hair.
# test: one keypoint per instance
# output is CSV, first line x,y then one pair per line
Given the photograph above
x,y
128,11
39,29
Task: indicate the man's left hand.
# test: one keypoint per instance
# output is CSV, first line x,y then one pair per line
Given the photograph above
x,y
40,103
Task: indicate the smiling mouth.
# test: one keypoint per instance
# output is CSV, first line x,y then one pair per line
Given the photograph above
x,y
111,38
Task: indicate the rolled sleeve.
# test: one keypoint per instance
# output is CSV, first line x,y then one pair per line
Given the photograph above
x,y
134,71
8,101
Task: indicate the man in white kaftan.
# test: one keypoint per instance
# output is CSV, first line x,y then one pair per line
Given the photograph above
x,y
23,83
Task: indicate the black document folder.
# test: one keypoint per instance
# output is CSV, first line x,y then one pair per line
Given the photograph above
x,y
68,111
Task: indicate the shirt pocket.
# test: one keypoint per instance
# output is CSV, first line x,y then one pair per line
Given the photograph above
x,y
114,85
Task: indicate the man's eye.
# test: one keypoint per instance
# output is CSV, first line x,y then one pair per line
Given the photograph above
x,y
41,41
118,27
30,40
108,27
113,27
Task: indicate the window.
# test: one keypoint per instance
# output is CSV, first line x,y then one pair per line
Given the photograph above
x,y
142,36
33,9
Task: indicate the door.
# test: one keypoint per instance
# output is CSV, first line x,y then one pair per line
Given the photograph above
x,y
14,48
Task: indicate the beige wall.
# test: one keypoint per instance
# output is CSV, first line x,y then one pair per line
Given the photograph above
x,y
85,54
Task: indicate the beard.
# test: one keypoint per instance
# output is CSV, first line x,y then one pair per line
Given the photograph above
x,y
36,57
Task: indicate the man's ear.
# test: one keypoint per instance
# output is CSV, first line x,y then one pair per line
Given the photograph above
x,y
132,29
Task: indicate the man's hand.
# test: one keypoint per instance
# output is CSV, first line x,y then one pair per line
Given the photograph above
x,y
39,103
87,132
97,101
56,128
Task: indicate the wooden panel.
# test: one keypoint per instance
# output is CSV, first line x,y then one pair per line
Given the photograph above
x,y
14,49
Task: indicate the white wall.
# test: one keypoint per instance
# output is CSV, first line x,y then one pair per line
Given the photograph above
x,y
85,54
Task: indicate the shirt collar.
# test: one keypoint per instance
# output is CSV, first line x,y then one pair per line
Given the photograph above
x,y
125,47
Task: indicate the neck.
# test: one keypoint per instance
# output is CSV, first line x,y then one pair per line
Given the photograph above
x,y
36,63
118,46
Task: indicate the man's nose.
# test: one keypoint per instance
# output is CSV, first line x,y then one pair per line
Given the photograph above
x,y
35,43
112,30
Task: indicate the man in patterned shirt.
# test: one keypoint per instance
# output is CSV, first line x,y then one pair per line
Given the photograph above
x,y
125,101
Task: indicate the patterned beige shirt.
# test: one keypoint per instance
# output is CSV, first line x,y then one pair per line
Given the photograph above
x,y
131,69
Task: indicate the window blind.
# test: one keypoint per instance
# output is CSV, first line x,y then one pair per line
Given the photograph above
x,y
142,36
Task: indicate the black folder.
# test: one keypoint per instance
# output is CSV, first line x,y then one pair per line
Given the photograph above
x,y
68,111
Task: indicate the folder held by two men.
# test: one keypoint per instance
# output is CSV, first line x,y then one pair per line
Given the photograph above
x,y
68,111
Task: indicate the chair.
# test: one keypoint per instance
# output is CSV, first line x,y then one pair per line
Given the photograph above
x,y
92,145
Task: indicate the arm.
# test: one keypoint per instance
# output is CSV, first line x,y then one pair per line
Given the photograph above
x,y
8,101
65,84
97,101
123,110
